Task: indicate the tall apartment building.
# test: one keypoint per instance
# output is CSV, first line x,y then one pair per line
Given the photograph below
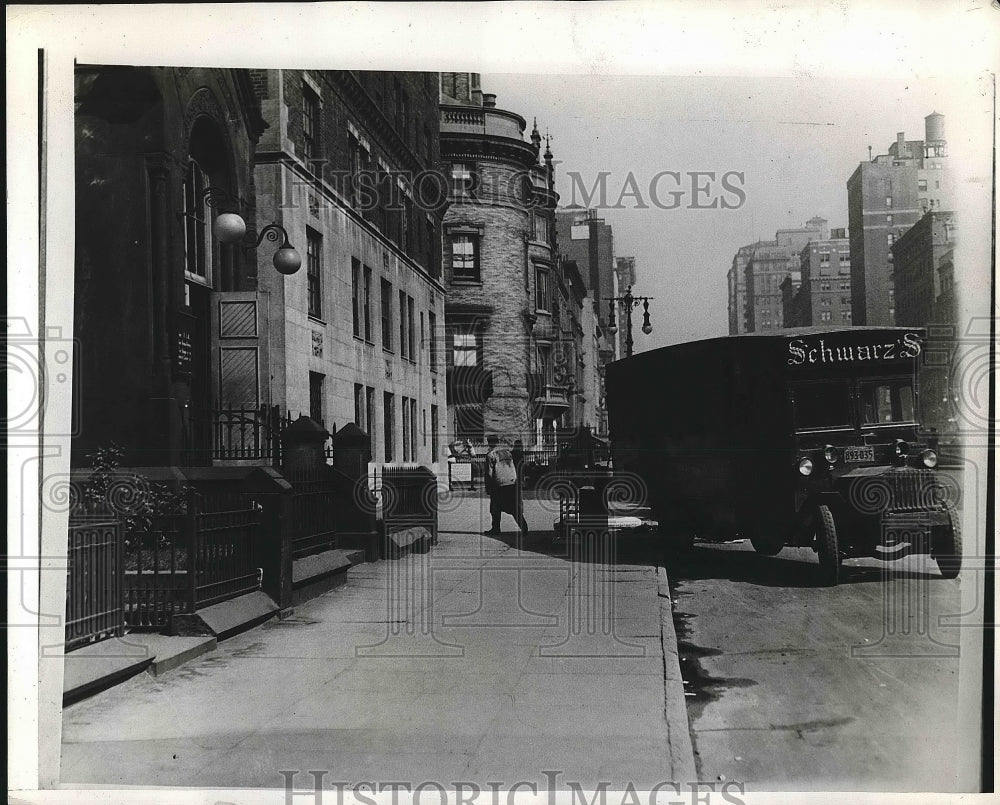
x,y
767,268
349,336
885,197
736,288
924,268
823,295
588,241
502,343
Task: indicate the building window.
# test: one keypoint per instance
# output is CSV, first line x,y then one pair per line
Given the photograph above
x,y
316,396
463,179
359,405
824,286
824,258
310,123
197,234
389,424
386,300
411,326
922,185
432,340
367,301
825,315
890,238
465,258
407,427
413,430
469,423
370,413
888,220
845,315
465,349
434,433
888,201
314,245
356,296
404,330
541,289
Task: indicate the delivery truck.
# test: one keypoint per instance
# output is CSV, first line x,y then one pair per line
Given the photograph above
x,y
803,437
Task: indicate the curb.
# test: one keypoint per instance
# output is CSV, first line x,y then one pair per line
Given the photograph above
x,y
674,704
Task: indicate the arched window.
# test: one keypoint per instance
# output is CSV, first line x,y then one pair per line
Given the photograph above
x,y
205,262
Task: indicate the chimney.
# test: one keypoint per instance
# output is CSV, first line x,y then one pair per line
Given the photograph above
x,y
489,100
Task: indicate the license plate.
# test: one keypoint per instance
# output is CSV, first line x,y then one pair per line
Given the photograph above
x,y
859,454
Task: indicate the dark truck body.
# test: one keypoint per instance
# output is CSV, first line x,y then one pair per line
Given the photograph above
x,y
723,431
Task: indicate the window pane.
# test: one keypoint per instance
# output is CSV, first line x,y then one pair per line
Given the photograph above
x,y
819,405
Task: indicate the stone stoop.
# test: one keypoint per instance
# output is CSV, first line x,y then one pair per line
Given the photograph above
x,y
314,575
99,666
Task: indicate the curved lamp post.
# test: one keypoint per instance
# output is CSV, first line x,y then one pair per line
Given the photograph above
x,y
229,227
628,303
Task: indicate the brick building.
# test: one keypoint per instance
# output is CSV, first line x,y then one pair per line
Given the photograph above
x,y
506,365
771,262
823,294
347,166
924,269
885,197
149,272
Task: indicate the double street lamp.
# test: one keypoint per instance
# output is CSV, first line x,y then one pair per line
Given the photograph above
x,y
229,227
628,303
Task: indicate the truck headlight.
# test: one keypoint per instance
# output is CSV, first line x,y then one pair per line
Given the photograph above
x,y
929,457
831,454
805,466
902,448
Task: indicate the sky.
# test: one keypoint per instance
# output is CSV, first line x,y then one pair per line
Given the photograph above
x,y
796,142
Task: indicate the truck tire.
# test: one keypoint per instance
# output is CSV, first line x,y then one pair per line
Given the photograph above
x,y
827,547
948,552
767,546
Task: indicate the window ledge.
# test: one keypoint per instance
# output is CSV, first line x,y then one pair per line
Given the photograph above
x,y
388,351
364,340
457,281
316,319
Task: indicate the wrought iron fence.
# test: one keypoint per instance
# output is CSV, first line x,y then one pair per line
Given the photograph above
x,y
317,498
94,583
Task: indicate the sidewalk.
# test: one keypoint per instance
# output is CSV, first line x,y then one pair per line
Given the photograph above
x,y
477,661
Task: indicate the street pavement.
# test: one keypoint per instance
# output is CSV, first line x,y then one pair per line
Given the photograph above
x,y
794,686
481,660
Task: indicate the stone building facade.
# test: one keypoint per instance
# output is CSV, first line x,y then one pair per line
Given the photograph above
x,y
506,368
348,166
924,269
770,264
150,275
823,295
885,197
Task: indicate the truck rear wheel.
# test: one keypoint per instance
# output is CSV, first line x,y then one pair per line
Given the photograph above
x,y
948,552
827,547
767,546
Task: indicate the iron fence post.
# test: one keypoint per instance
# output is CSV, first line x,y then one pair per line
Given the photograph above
x,y
191,527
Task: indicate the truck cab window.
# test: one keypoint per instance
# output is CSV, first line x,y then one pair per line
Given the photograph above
x,y
887,401
821,405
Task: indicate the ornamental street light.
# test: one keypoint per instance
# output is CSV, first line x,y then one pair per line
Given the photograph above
x,y
229,227
628,303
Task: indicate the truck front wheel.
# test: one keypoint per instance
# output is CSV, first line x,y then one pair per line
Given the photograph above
x,y
827,547
948,551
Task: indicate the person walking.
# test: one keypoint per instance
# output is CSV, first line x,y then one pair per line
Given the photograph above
x,y
501,486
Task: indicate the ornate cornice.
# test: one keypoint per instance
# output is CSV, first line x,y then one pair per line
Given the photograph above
x,y
487,147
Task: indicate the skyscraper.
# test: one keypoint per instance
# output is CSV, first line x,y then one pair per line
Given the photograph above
x,y
885,197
